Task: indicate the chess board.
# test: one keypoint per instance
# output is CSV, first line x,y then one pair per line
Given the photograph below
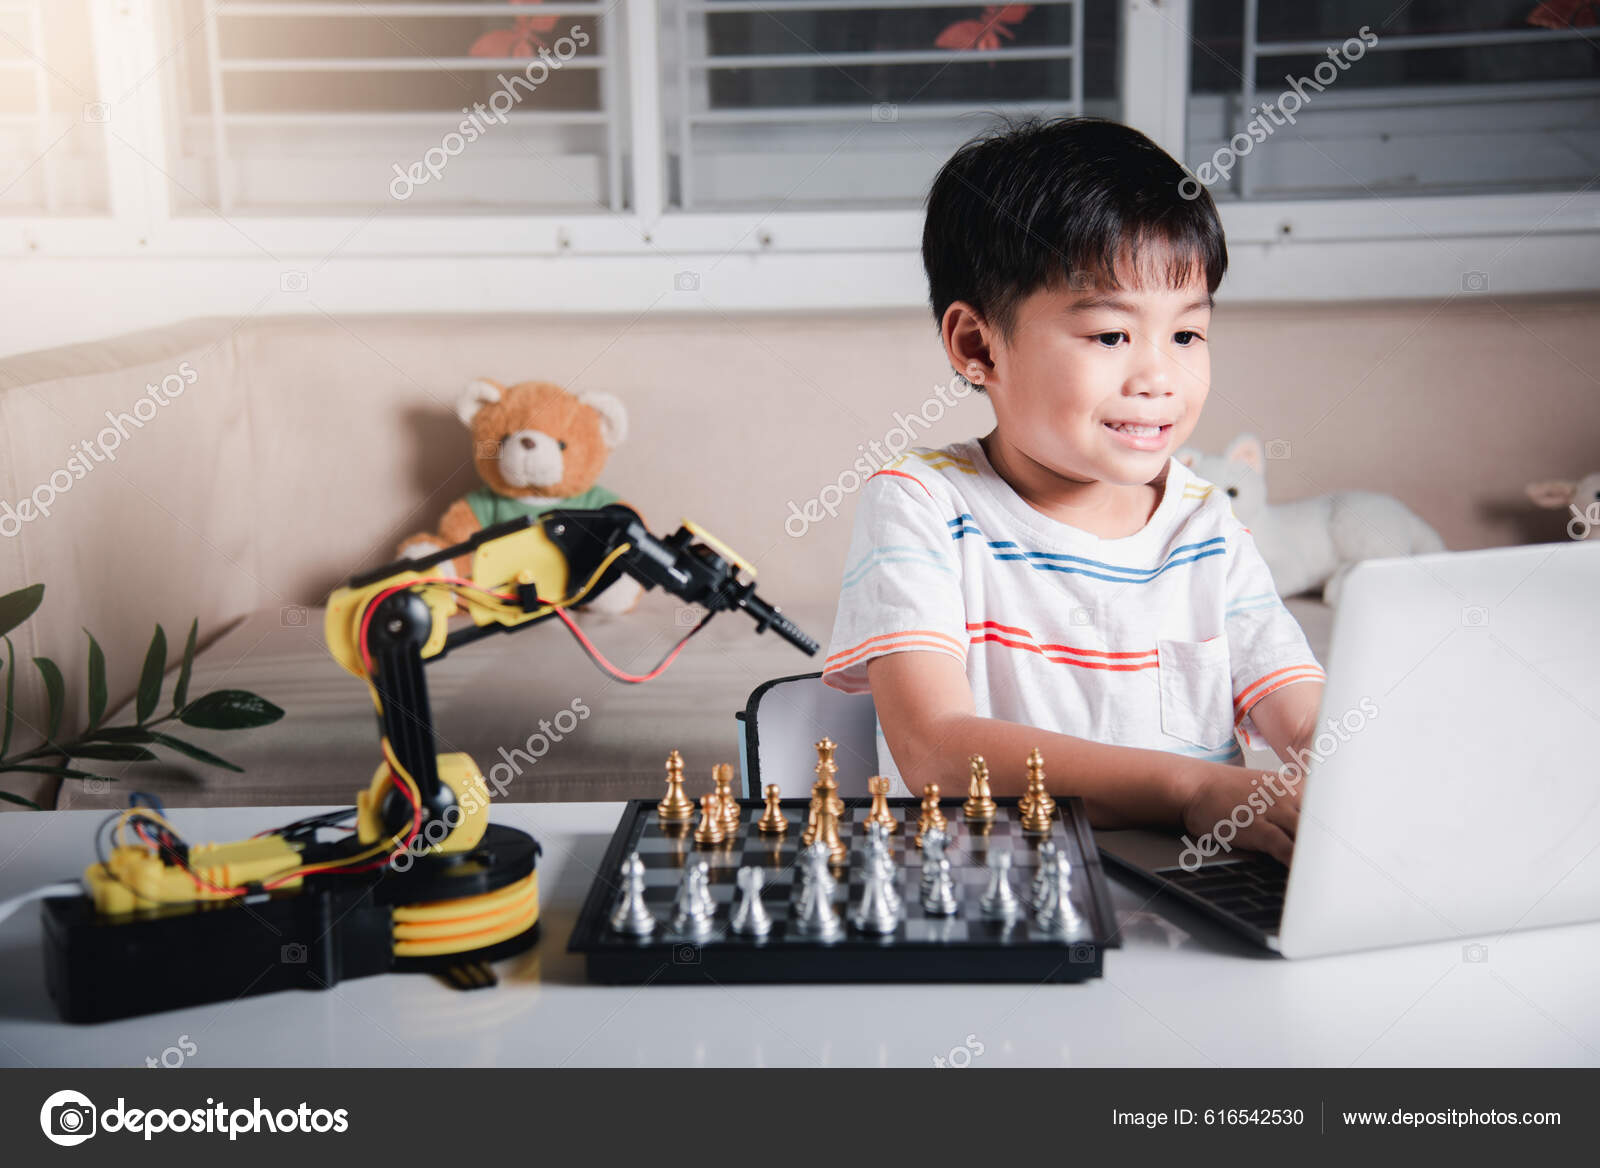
x,y
962,947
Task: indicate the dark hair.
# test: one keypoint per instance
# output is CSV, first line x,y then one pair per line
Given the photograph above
x,y
1036,203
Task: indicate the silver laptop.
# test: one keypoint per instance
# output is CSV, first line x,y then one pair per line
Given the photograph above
x,y
1455,791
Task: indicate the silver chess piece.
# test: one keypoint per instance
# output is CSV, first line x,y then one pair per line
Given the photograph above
x,y
880,858
939,893
1000,901
750,916
934,842
632,916
813,912
878,911
1055,913
692,907
1046,858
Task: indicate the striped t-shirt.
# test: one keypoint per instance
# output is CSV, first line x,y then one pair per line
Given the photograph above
x,y
1163,639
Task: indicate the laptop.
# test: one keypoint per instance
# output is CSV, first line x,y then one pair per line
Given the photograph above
x,y
1454,790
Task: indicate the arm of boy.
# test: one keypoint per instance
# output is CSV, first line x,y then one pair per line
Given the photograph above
x,y
926,709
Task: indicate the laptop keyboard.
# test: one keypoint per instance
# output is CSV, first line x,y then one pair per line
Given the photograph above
x,y
1249,888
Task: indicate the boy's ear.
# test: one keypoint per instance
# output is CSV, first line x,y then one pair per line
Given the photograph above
x,y
478,394
1247,451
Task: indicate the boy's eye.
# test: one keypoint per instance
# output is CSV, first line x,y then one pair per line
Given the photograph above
x,y
1110,340
1187,337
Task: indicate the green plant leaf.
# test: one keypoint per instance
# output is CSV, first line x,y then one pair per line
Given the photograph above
x,y
180,693
18,606
155,664
56,689
229,709
11,685
124,734
64,772
18,799
97,681
114,752
195,752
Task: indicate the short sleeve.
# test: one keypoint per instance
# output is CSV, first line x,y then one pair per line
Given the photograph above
x,y
1267,649
901,588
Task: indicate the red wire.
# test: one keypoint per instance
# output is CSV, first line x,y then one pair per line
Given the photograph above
x,y
372,606
599,659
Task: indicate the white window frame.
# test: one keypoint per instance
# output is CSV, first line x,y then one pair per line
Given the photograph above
x,y
1326,250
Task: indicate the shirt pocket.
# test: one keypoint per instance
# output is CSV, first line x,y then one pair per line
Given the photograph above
x,y
1196,691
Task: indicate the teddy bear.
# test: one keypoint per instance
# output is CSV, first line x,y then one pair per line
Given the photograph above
x,y
1581,498
537,447
1311,543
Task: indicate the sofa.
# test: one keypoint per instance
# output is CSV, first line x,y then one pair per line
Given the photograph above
x,y
304,447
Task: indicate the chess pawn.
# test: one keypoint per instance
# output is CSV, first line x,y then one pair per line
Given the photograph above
x,y
750,917
939,898
676,807
1040,806
980,805
710,830
773,821
999,901
632,916
931,815
879,811
691,913
732,814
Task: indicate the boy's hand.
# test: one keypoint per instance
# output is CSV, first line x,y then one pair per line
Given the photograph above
x,y
1260,807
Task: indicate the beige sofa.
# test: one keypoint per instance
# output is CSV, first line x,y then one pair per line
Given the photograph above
x,y
304,447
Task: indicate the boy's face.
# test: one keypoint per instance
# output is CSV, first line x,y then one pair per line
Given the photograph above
x,y
1081,365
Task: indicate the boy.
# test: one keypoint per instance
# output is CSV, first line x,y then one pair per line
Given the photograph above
x,y
1064,582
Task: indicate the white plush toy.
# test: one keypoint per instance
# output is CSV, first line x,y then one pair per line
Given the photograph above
x,y
1311,542
1581,499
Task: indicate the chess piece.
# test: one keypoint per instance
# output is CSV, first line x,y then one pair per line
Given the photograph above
x,y
750,917
632,916
934,841
1000,901
710,830
878,856
692,908
1041,876
939,897
980,805
1040,807
828,832
826,769
773,821
808,836
879,811
676,807
813,911
931,815
878,910
1055,913
732,814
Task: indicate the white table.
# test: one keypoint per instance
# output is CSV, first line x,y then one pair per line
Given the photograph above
x,y
1180,992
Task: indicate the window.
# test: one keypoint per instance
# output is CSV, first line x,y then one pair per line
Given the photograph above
x,y
322,107
1449,97
842,104
52,117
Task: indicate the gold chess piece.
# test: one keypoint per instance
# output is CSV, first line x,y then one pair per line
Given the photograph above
x,y
931,815
828,833
879,811
1039,806
710,829
732,813
826,769
980,805
808,836
773,820
676,807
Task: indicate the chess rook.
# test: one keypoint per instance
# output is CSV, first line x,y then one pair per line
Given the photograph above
x,y
879,812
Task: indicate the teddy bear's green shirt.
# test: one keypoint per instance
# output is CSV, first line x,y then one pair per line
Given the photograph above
x,y
490,508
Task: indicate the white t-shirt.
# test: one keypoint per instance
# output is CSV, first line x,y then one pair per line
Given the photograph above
x,y
1163,639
